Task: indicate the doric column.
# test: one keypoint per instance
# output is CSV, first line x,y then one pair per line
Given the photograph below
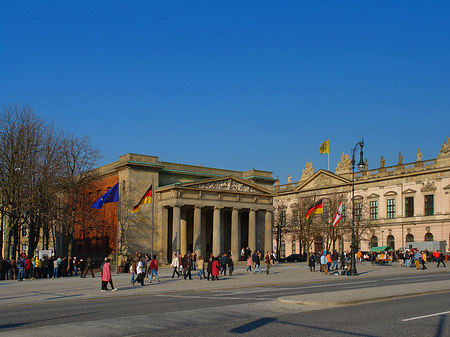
x,y
183,231
252,229
176,246
217,231
203,239
164,216
268,233
235,234
197,230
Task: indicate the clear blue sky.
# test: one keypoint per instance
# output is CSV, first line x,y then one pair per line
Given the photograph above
x,y
234,84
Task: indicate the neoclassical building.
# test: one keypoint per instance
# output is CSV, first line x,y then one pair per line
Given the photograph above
x,y
195,208
401,204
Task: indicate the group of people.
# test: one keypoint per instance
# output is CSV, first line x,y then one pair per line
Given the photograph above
x,y
415,258
215,266
143,267
329,261
28,268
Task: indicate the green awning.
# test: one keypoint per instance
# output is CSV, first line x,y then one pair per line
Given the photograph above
x,y
381,249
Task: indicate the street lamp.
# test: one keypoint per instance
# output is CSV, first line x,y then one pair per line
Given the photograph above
x,y
361,167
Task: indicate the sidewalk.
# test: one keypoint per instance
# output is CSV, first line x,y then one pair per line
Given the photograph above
x,y
76,288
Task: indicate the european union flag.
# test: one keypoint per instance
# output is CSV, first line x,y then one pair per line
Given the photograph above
x,y
111,196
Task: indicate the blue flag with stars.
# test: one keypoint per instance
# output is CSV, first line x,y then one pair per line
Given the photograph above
x,y
111,196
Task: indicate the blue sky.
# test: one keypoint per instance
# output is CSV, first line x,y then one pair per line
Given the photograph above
x,y
235,84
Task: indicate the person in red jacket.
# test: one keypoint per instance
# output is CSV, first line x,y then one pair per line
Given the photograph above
x,y
154,269
215,269
28,268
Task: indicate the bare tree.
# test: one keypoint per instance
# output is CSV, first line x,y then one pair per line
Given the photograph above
x,y
79,158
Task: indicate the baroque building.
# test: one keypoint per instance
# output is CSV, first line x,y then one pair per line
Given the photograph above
x,y
400,204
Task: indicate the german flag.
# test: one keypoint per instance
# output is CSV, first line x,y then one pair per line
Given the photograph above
x,y
146,199
316,208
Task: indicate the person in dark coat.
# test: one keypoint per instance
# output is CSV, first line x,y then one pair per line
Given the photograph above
x,y
187,264
230,265
209,266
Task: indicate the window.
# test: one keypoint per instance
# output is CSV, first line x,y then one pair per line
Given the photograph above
x,y
358,211
24,231
409,238
374,210
283,218
428,237
283,249
391,241
344,213
294,244
373,241
409,206
391,208
295,218
429,204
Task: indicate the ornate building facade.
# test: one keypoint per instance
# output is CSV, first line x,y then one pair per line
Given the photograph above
x,y
399,204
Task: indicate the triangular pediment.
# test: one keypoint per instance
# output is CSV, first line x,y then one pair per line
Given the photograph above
x,y
409,191
226,184
373,196
447,187
322,179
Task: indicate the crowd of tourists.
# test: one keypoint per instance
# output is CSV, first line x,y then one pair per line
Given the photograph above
x,y
143,267
28,268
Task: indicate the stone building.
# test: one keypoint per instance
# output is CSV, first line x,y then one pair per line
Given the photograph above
x,y
195,208
403,203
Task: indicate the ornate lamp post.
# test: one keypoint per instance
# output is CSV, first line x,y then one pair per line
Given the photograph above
x,y
361,166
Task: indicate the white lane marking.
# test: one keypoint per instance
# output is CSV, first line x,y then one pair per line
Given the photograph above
x,y
413,277
216,297
425,316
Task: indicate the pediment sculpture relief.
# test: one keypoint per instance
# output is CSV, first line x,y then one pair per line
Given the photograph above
x,y
227,185
428,187
345,163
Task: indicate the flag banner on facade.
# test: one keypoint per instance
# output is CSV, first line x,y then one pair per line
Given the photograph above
x,y
317,208
146,199
111,196
338,215
325,147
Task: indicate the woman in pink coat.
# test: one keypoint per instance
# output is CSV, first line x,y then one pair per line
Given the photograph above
x,y
106,276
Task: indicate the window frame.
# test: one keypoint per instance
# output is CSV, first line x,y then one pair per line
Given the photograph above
x,y
373,209
428,210
409,207
390,208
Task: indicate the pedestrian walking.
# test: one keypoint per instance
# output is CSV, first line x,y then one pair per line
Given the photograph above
x,y
175,265
268,262
187,265
312,262
200,267
140,270
257,263
249,264
230,265
106,277
215,269
154,269
440,259
209,267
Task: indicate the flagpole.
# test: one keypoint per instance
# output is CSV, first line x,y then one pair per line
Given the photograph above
x,y
117,231
328,159
153,224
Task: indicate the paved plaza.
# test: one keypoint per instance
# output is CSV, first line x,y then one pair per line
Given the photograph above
x,y
76,288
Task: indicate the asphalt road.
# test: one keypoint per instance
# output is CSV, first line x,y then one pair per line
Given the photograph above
x,y
248,311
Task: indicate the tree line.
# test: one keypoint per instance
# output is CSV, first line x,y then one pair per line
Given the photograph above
x,y
43,174
290,222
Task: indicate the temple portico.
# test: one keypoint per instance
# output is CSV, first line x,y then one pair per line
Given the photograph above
x,y
214,217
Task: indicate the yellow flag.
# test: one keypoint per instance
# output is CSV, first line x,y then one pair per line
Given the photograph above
x,y
325,147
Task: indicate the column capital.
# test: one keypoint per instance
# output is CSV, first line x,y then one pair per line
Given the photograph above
x,y
197,206
218,207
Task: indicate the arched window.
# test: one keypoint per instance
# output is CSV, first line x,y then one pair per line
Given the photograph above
x,y
391,241
283,249
373,241
294,246
429,237
409,238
